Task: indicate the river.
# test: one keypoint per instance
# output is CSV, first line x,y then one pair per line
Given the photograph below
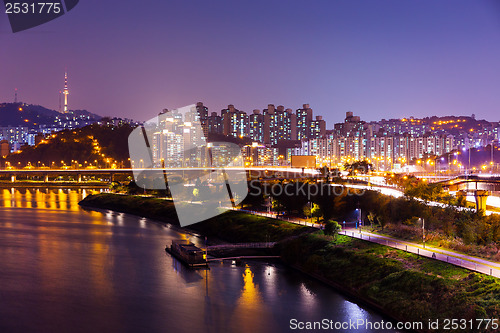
x,y
67,269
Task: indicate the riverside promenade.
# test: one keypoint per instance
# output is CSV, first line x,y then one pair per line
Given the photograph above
x,y
455,258
458,259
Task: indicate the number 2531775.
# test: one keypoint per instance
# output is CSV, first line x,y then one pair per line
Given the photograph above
x,y
32,8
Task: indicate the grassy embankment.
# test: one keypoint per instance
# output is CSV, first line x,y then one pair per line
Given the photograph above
x,y
231,226
401,284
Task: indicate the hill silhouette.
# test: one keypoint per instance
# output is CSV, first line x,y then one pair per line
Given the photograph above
x,y
28,115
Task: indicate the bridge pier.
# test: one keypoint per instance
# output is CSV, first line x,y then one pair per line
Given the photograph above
x,y
46,178
79,177
481,196
13,178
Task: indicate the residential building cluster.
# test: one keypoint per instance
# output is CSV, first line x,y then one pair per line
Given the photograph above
x,y
269,126
279,132
178,140
354,140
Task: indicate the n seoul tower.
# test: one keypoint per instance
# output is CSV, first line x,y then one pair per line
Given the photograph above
x,y
65,92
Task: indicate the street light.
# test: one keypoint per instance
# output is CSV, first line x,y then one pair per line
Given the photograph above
x,y
423,231
360,222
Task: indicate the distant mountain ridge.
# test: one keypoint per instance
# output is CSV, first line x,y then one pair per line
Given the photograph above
x,y
29,115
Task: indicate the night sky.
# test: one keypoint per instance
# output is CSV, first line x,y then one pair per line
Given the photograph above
x,y
379,59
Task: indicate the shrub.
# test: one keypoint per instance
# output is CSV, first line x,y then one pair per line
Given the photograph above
x,y
332,228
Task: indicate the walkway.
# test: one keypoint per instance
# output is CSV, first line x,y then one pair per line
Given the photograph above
x,y
458,259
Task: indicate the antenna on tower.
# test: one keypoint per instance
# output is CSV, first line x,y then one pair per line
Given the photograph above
x,y
65,92
15,95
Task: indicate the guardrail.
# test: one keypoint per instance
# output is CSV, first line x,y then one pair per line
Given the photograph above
x,y
264,245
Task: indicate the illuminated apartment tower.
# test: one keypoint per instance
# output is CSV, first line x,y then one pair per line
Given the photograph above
x,y
234,122
65,92
256,126
279,124
304,119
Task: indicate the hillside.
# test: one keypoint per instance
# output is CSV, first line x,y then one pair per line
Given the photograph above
x,y
22,114
105,144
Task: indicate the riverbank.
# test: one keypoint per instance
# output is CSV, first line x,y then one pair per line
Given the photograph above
x,y
399,284
232,226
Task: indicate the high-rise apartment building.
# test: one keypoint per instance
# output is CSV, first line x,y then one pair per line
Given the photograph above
x,y
214,122
256,126
318,127
235,122
304,118
202,111
279,124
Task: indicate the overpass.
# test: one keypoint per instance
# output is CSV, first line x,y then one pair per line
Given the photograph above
x,y
478,186
472,182
109,175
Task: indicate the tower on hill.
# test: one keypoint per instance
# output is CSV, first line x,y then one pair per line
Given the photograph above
x,y
65,92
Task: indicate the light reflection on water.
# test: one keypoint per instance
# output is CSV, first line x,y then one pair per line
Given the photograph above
x,y
65,269
44,198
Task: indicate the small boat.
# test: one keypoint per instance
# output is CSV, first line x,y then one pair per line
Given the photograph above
x,y
187,253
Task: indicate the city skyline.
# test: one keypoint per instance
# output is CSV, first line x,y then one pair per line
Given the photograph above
x,y
383,60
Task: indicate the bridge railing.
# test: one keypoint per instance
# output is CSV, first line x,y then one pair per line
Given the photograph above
x,y
263,245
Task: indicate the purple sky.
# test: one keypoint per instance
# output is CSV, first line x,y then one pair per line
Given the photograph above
x,y
379,59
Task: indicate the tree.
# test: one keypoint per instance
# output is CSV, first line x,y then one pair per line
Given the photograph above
x,y
316,211
278,207
381,222
307,210
325,201
332,228
312,210
255,196
371,217
358,167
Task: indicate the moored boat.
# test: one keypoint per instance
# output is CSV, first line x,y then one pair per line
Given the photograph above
x,y
187,253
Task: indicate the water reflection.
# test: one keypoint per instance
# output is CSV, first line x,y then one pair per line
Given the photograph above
x,y
44,198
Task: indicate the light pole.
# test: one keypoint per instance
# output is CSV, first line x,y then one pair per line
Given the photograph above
x,y
310,211
491,162
468,169
423,232
360,222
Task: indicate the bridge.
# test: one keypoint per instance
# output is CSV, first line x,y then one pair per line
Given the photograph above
x,y
480,186
108,175
472,182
